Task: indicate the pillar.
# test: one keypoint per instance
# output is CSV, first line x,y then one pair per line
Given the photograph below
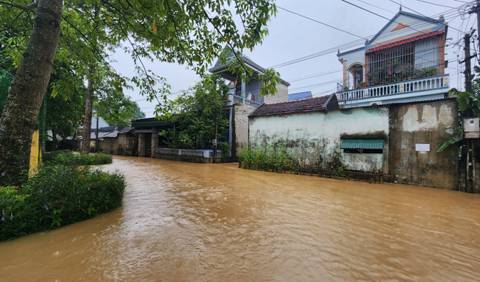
x,y
154,143
141,144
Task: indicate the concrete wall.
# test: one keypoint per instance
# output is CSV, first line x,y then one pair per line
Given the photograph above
x,y
241,125
424,123
279,97
312,138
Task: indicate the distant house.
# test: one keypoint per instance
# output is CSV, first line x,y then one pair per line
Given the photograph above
x,y
404,62
244,97
299,96
248,91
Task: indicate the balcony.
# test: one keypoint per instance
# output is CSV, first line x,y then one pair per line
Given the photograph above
x,y
426,89
234,98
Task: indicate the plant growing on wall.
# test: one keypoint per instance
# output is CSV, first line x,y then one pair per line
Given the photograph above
x,y
469,106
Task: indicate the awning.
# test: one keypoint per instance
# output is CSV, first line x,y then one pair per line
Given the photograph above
x,y
362,144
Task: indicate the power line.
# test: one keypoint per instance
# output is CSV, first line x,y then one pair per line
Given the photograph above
x,y
376,6
381,16
366,10
435,4
324,52
320,22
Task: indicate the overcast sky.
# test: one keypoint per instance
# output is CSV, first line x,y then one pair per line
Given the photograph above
x,y
291,37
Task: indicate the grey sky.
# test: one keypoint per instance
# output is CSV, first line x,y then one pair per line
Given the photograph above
x,y
291,37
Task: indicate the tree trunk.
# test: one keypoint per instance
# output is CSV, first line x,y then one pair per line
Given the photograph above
x,y
19,116
87,122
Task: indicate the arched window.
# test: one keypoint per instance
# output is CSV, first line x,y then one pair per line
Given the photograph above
x,y
356,76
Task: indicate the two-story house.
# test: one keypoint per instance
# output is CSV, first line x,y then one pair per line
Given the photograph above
x,y
390,118
404,62
244,96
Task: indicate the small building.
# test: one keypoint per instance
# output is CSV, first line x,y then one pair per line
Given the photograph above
x,y
300,96
244,97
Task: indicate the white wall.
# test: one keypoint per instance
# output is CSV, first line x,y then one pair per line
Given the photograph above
x,y
279,97
310,136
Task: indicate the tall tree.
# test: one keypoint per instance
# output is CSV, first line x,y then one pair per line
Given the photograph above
x,y
25,97
190,32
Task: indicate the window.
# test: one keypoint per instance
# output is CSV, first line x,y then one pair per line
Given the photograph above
x,y
362,146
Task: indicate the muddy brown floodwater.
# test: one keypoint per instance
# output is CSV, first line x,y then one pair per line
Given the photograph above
x,y
201,222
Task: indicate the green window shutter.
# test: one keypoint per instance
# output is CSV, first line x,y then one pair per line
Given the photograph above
x,y
362,144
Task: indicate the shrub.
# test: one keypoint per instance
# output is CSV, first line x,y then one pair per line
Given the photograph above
x,y
272,159
56,196
76,158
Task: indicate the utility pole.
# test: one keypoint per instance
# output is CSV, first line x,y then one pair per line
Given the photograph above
x,y
470,157
468,65
476,10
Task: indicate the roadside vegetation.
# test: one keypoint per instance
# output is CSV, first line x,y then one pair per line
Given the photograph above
x,y
76,158
63,191
56,196
279,159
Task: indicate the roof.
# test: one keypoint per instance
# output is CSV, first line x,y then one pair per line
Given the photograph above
x,y
222,65
299,96
394,19
104,134
407,14
318,104
149,123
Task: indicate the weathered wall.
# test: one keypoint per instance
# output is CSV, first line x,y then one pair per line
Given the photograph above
x,y
279,97
241,125
127,144
108,145
314,137
423,123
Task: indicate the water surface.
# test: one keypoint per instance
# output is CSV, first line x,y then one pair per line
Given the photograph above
x,y
201,222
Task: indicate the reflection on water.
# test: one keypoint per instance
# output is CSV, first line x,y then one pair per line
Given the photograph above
x,y
199,222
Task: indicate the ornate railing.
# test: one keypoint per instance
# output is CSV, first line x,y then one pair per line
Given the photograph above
x,y
404,87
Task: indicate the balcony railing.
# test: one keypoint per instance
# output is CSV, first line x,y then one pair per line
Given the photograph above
x,y
238,99
425,86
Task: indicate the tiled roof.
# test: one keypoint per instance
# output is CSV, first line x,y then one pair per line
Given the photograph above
x,y
319,104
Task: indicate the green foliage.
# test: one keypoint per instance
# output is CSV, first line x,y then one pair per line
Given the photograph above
x,y
277,158
76,158
268,158
5,79
468,103
269,78
57,196
199,115
118,110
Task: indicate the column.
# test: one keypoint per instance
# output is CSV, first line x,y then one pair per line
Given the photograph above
x,y
141,144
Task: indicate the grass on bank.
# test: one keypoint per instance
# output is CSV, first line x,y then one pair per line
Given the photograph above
x,y
278,159
58,195
76,158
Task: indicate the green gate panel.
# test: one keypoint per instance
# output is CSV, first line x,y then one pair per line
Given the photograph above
x,y
362,144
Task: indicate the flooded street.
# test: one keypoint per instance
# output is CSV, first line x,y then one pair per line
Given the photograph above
x,y
201,222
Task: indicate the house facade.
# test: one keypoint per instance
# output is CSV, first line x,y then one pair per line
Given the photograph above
x,y
404,62
390,118
244,97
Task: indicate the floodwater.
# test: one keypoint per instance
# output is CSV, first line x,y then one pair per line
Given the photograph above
x,y
202,222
